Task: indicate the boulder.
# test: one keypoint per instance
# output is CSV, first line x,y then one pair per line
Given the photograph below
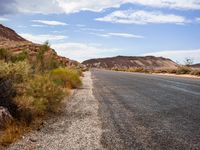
x,y
6,89
5,117
7,93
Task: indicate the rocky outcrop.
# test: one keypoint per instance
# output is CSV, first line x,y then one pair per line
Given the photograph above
x,y
7,33
126,62
5,117
13,42
6,90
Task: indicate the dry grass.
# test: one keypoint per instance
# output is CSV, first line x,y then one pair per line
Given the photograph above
x,y
181,70
66,77
12,133
195,72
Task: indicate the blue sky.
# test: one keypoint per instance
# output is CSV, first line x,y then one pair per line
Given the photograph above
x,y
82,29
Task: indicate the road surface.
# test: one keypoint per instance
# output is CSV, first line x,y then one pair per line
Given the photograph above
x,y
140,111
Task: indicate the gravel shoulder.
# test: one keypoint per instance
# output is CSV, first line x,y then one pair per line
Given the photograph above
x,y
77,127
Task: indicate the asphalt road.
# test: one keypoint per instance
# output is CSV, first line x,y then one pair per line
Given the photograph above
x,y
140,111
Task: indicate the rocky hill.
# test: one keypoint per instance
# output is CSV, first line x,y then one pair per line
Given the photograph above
x,y
195,66
126,62
11,41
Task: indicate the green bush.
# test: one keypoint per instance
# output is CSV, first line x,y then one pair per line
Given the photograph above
x,y
46,95
183,70
20,57
17,72
66,77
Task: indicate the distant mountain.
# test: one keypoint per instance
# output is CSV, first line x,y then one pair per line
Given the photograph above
x,y
125,62
195,66
13,42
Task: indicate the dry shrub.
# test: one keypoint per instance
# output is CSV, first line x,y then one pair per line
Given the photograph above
x,y
46,95
13,132
5,54
11,75
140,70
25,108
173,71
40,95
183,70
195,72
66,77
17,72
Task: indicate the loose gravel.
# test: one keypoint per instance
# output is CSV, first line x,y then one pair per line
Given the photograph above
x,y
77,127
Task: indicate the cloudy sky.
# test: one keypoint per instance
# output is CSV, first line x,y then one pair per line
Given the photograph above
x,y
83,29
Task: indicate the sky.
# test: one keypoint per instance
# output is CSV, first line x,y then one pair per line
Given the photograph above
x,y
84,29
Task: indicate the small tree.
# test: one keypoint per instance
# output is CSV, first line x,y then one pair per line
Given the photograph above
x,y
40,56
188,61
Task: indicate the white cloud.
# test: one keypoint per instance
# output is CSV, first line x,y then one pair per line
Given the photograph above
x,y
175,4
3,19
198,20
38,6
50,22
80,25
100,34
37,25
126,35
142,17
42,38
178,55
92,29
83,51
117,34
72,6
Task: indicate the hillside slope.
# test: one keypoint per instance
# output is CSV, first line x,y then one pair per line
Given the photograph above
x,y
125,62
14,43
195,66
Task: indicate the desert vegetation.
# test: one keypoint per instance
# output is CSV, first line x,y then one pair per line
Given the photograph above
x,y
180,70
30,89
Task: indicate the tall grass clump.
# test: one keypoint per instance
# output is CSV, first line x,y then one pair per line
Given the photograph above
x,y
66,77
